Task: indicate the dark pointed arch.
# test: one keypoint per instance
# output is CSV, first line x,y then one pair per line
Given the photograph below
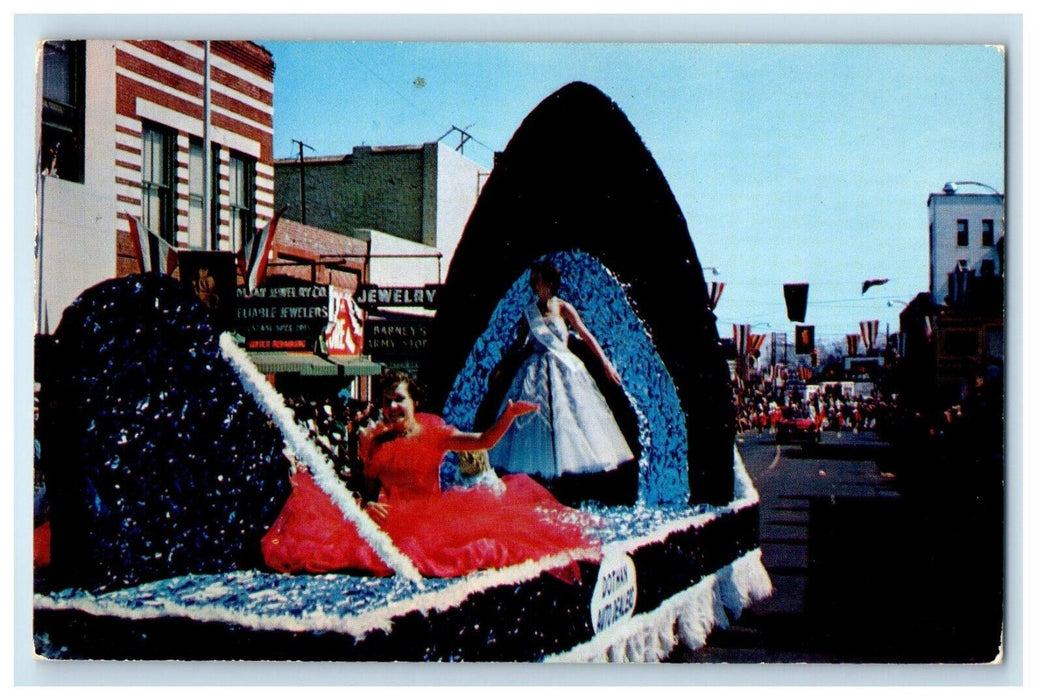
x,y
576,176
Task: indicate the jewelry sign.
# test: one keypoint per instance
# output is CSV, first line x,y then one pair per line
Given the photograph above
x,y
369,296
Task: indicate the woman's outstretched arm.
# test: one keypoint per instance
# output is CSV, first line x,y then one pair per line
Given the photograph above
x,y
461,441
573,319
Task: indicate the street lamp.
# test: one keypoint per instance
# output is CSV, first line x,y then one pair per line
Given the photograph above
x,y
949,186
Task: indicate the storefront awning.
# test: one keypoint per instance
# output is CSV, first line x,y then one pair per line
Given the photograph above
x,y
311,365
356,366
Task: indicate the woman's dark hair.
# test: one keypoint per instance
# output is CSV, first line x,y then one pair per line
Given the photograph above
x,y
549,273
393,378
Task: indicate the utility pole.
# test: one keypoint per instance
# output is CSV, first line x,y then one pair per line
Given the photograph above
x,y
210,233
301,145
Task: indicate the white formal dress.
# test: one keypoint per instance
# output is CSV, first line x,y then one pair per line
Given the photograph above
x,y
573,432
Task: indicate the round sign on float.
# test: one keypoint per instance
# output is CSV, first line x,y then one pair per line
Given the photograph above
x,y
615,591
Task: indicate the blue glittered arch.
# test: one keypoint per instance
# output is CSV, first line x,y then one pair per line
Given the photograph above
x,y
604,306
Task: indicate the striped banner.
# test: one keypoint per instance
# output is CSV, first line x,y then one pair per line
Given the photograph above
x,y
853,344
153,253
868,330
754,343
714,296
254,255
741,338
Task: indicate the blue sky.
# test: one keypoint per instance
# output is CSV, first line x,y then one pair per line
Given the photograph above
x,y
792,163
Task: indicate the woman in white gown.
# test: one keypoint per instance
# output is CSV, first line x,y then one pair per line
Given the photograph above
x,y
574,431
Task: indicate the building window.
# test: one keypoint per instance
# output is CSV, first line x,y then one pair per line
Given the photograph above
x,y
197,230
240,198
157,180
962,232
987,268
200,235
987,232
61,119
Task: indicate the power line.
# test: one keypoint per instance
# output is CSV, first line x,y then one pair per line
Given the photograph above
x,y
465,136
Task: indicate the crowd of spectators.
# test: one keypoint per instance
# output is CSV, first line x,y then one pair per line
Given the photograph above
x,y
334,423
759,409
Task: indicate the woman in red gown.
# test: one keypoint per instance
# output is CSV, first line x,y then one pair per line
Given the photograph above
x,y
444,533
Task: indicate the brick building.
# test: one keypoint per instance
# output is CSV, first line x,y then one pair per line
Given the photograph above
x,y
124,128
315,255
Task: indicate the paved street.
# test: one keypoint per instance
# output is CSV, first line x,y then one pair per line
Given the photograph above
x,y
874,557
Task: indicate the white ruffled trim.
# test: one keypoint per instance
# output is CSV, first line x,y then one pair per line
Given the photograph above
x,y
687,617
271,402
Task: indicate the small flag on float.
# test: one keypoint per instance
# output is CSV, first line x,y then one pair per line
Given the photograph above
x,y
254,255
796,297
873,283
153,253
714,295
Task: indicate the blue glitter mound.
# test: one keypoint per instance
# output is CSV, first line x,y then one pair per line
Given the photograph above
x,y
157,462
605,309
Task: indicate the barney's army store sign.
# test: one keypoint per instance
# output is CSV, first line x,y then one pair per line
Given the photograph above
x,y
283,316
399,338
399,342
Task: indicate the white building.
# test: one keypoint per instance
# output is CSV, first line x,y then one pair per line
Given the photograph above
x,y
964,229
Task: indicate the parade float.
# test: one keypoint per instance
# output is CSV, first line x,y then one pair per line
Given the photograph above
x,y
167,454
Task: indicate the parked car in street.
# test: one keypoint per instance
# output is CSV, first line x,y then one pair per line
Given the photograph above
x,y
794,427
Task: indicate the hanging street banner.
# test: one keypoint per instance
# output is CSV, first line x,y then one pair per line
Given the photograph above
x,y
714,295
283,316
372,296
868,331
852,339
796,298
804,339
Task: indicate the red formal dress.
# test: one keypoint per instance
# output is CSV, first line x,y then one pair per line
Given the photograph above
x,y
445,533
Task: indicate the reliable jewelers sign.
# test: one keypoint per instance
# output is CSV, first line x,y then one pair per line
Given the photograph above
x,y
283,317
